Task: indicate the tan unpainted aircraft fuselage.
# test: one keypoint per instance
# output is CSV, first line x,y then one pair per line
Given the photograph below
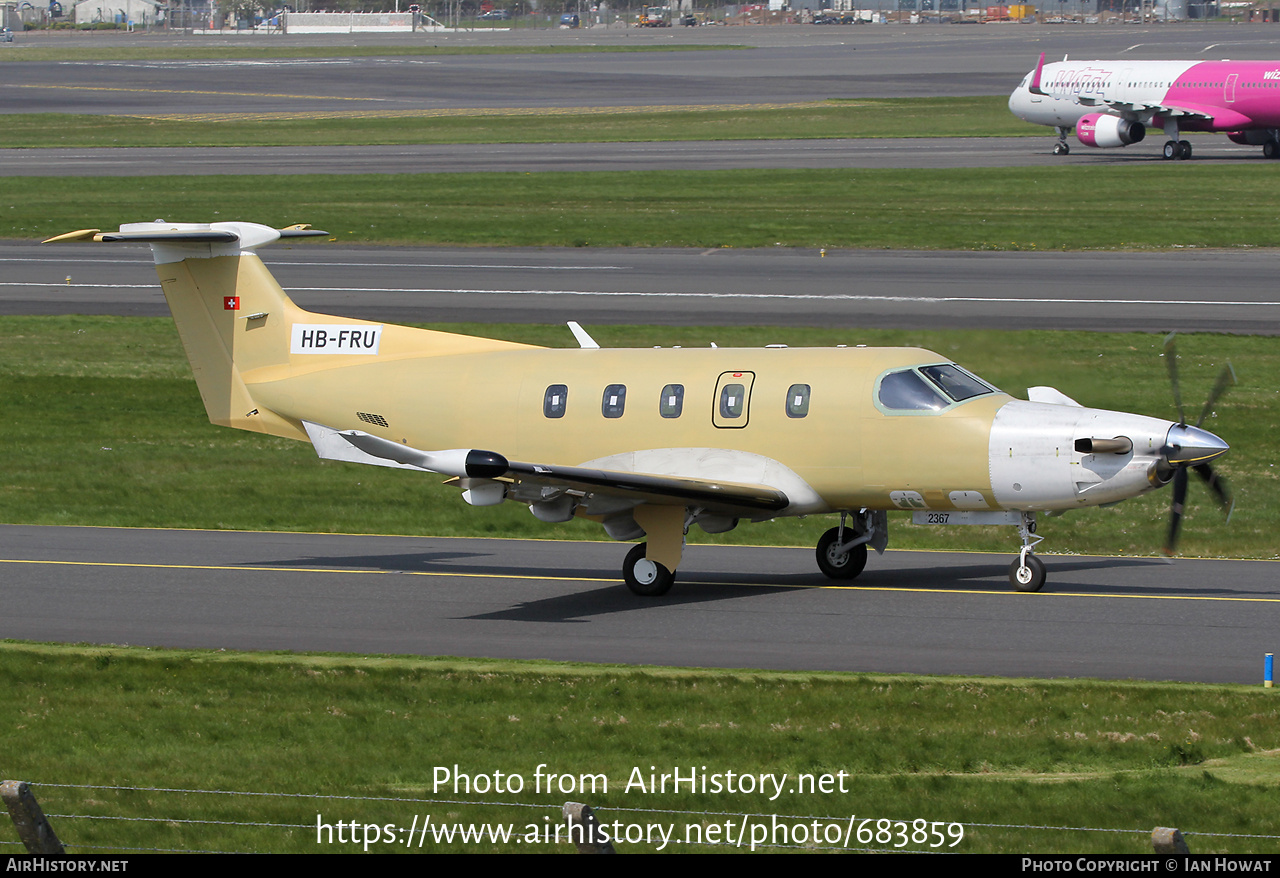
x,y
650,441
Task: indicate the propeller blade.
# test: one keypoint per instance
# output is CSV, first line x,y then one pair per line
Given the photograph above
x,y
1176,509
1218,486
1171,362
1226,378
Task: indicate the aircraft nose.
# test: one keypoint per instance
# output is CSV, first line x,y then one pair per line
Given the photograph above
x,y
1186,445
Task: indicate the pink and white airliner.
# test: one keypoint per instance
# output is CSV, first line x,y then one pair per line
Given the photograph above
x,y
1113,103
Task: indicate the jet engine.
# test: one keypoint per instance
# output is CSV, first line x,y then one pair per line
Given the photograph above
x,y
1105,131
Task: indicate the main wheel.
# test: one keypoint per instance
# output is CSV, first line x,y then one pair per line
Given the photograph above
x,y
840,565
1184,149
1029,576
644,577
1061,148
1270,149
1171,149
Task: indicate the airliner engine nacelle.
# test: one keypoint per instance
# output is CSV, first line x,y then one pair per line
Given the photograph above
x,y
1106,131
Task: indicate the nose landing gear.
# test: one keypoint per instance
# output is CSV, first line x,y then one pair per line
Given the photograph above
x,y
1027,572
1061,147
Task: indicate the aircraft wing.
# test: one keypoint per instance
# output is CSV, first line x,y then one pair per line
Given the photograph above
x,y
650,488
356,446
1220,118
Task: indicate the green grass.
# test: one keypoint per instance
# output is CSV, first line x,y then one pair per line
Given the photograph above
x,y
103,426
970,209
888,117
995,756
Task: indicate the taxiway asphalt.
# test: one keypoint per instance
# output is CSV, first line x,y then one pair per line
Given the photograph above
x,y
735,607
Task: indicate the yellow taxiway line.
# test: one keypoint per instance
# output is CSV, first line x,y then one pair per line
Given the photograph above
x,y
513,576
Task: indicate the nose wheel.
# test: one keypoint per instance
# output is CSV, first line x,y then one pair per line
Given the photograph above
x,y
1027,572
1061,147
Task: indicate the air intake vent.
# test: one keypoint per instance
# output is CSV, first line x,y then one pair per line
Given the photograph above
x,y
372,419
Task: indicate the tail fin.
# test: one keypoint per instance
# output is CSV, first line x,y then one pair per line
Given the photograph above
x,y
239,327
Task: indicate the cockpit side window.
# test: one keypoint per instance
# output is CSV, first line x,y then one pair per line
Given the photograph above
x,y
907,391
929,388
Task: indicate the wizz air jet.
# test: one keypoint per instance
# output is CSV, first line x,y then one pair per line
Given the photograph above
x,y
1113,103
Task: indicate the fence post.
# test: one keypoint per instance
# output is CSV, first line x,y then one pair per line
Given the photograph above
x,y
1168,841
33,828
585,830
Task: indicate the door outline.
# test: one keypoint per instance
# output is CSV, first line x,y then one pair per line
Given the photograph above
x,y
723,419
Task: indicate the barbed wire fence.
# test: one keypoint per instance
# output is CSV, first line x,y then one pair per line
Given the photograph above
x,y
162,808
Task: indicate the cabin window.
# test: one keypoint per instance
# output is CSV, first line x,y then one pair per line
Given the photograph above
x,y
732,400
798,401
553,400
672,402
614,401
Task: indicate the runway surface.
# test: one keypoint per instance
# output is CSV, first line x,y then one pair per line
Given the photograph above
x,y
697,155
1154,292
781,64
736,607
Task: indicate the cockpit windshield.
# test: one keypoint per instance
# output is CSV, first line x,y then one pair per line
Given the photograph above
x,y
929,388
956,382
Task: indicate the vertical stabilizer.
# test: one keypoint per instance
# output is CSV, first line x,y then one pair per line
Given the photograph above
x,y
243,334
232,317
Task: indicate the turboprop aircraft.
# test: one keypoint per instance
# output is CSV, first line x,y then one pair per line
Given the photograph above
x,y
1113,103
650,442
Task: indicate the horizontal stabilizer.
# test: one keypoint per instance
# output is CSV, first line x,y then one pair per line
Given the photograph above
x,y
247,235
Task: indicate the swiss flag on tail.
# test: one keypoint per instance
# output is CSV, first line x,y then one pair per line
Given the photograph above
x,y
230,303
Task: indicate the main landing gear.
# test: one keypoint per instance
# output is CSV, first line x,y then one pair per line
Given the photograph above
x,y
650,568
644,577
1175,149
842,551
1027,572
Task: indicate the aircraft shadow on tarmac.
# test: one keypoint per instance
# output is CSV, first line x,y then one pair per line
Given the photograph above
x,y
1131,577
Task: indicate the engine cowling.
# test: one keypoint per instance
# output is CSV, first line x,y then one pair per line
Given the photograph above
x,y
1105,131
